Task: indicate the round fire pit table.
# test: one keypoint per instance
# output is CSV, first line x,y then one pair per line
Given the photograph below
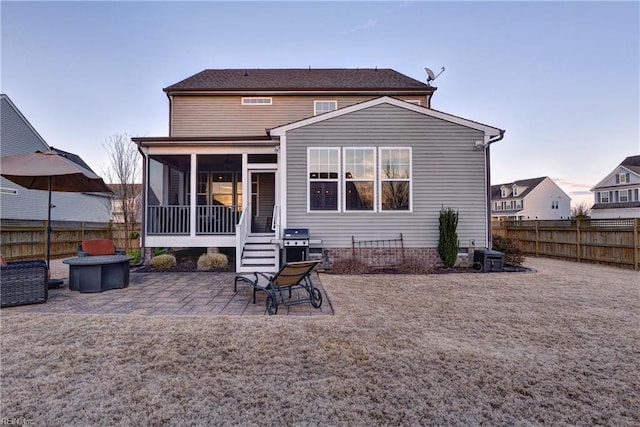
x,y
98,273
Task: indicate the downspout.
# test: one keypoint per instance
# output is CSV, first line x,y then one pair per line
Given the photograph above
x,y
143,216
487,159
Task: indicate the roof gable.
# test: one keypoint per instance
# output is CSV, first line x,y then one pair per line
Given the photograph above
x,y
630,164
528,184
335,79
488,130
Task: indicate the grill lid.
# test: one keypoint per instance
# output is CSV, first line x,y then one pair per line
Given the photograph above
x,y
296,233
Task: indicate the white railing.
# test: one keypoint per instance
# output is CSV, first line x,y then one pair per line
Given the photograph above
x,y
216,219
172,219
242,232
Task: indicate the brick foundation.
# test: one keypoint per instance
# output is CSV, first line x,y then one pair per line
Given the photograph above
x,y
389,256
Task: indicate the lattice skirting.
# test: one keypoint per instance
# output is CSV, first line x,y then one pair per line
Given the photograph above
x,y
374,256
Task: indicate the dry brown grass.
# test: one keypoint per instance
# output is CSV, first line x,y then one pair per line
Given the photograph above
x,y
556,347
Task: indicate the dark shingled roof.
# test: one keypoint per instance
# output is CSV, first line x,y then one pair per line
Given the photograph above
x,y
632,163
529,183
300,79
73,157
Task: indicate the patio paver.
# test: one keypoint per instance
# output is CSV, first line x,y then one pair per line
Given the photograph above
x,y
176,294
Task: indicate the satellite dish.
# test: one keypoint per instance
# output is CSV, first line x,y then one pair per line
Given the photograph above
x,y
431,76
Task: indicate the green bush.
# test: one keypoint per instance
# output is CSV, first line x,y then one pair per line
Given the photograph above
x,y
513,253
163,261
448,243
137,257
212,261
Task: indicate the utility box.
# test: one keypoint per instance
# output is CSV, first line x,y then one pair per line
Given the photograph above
x,y
487,260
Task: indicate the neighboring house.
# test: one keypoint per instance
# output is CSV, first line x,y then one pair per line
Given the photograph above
x,y
133,202
535,198
17,136
618,194
343,152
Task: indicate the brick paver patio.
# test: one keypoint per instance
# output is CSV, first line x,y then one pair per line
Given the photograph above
x,y
178,294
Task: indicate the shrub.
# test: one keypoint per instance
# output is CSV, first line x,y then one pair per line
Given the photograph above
x,y
163,261
137,257
513,253
448,243
212,261
349,266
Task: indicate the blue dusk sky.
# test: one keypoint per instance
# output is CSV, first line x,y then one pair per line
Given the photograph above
x,y
562,78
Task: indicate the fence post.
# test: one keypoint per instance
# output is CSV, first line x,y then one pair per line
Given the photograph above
x,y
636,244
578,237
537,240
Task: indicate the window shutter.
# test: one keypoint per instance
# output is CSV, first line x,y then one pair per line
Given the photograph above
x,y
617,179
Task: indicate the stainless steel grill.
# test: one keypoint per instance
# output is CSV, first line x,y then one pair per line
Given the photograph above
x,y
296,244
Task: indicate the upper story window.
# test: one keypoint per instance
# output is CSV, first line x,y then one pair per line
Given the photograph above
x,y
514,190
622,178
262,100
624,196
321,107
503,192
604,196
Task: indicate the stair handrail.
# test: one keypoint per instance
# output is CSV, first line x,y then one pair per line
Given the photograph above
x,y
242,232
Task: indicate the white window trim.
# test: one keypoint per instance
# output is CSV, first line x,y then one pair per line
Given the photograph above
x,y
375,180
603,195
622,178
315,106
626,195
380,179
246,100
339,195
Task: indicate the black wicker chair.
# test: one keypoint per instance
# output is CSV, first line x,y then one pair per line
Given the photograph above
x,y
23,282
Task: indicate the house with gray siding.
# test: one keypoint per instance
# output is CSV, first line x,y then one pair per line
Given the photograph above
x,y
347,153
617,195
18,136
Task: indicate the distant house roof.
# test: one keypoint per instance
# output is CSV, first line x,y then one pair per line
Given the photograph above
x,y
73,157
531,183
301,79
632,163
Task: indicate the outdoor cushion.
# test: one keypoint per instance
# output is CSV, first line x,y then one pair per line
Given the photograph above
x,y
99,247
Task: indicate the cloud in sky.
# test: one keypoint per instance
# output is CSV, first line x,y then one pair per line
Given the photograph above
x,y
371,22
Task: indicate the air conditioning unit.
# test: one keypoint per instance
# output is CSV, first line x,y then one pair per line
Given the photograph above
x,y
487,260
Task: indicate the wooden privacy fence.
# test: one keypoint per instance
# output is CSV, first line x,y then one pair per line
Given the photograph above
x,y
604,241
27,239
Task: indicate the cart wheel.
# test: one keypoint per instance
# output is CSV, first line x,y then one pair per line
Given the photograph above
x,y
272,305
316,298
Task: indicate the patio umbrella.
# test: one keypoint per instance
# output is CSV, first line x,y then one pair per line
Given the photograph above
x,y
51,171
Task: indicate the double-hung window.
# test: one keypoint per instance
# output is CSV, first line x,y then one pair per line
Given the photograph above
x,y
324,172
359,179
395,179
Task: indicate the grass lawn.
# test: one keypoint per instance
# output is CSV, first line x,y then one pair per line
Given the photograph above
x,y
558,347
